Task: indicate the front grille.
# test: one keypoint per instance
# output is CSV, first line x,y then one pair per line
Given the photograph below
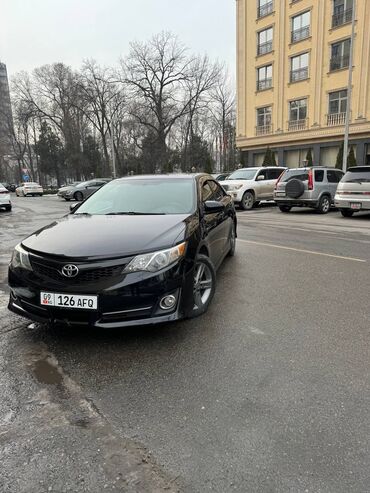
x,y
84,276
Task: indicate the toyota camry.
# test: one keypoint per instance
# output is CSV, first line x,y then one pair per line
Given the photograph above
x,y
141,250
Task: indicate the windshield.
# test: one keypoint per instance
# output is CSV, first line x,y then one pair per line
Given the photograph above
x,y
357,176
243,174
298,174
142,196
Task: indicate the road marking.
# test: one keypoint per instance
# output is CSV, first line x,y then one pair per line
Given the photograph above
x,y
281,247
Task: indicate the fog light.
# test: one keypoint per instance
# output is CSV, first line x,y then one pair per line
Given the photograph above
x,y
168,302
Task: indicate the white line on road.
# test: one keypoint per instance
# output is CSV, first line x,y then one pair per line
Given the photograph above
x,y
302,251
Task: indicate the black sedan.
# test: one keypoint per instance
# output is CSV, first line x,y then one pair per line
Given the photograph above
x,y
141,250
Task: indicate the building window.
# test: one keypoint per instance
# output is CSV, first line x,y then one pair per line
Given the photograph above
x,y
264,125
264,78
340,54
297,115
265,41
301,27
342,12
299,67
337,108
265,7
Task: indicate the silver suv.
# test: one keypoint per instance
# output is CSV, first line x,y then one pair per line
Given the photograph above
x,y
353,192
248,186
307,187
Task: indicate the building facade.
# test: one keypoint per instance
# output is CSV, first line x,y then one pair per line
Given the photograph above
x,y
6,124
292,80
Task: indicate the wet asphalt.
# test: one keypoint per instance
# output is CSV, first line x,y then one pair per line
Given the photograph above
x,y
267,392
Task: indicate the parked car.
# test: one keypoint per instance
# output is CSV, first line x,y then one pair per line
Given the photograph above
x,y
63,190
313,187
141,250
10,186
353,192
220,176
5,202
83,190
248,186
29,188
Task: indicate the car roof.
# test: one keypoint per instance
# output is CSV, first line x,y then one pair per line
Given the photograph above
x,y
169,176
359,168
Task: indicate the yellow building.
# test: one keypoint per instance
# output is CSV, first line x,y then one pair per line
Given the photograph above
x,y
293,59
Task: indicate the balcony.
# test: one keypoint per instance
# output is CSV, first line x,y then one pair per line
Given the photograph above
x,y
297,125
299,34
299,74
335,119
341,18
264,84
264,48
263,129
266,9
339,62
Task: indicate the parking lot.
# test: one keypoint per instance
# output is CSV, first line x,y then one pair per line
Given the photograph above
x,y
268,391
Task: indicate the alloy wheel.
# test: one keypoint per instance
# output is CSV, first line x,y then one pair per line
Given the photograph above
x,y
203,282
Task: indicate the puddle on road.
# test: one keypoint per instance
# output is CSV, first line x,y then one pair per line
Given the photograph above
x,y
46,373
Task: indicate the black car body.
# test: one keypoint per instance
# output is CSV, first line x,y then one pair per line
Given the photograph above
x,y
108,249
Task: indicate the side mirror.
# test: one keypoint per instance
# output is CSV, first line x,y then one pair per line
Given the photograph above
x,y
73,207
213,206
260,177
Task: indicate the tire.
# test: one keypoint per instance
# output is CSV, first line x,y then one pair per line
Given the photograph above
x,y
346,212
202,300
78,196
324,204
232,241
285,208
247,201
294,188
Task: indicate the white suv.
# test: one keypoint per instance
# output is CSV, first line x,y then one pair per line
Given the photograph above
x,y
248,186
353,192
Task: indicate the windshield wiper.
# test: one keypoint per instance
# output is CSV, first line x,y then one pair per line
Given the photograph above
x,y
133,213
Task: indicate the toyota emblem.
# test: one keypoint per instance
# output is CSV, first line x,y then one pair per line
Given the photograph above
x,y
70,270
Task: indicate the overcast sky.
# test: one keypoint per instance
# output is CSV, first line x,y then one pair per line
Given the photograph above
x,y
35,32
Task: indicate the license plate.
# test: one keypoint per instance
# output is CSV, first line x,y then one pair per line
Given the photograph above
x,y
355,205
280,194
62,300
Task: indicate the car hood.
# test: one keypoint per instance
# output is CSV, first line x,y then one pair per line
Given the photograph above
x,y
227,183
80,236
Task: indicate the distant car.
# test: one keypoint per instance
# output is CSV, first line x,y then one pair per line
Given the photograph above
x,y
29,188
353,192
220,176
313,187
10,186
83,190
5,201
248,186
63,190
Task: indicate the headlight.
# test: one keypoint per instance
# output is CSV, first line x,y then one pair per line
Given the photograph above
x,y
20,258
153,262
234,187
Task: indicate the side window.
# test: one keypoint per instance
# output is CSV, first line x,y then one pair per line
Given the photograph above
x,y
319,175
263,172
339,174
273,174
217,192
99,183
332,176
206,192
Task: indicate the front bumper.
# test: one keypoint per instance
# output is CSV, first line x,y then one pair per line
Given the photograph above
x,y
236,195
5,202
132,300
342,202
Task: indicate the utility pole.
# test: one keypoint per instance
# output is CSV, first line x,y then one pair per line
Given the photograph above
x,y
349,90
113,152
